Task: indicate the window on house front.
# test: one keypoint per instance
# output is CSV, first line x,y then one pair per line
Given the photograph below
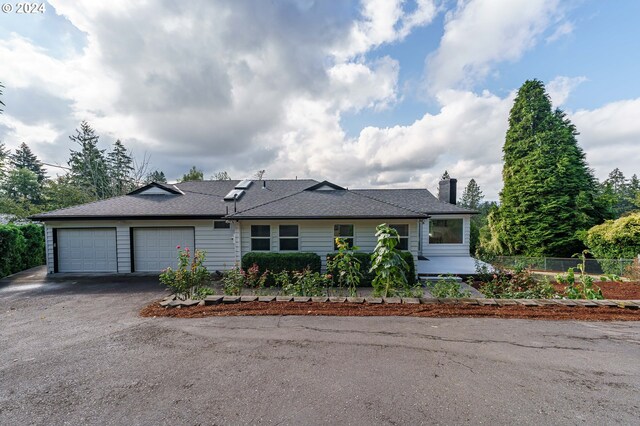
x,y
288,237
260,237
445,231
403,233
221,224
343,231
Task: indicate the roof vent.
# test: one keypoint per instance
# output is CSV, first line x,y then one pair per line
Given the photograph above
x,y
234,194
244,184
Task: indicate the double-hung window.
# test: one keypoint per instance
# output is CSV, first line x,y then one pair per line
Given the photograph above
x,y
345,232
288,237
260,237
403,233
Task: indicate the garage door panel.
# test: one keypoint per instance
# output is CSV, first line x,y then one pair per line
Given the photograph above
x,y
87,250
155,248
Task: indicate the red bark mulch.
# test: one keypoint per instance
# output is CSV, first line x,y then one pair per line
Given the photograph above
x,y
614,290
424,310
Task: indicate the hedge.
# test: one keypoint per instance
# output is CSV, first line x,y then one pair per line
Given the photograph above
x,y
278,262
614,239
365,265
22,247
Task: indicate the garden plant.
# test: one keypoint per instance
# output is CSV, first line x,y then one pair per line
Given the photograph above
x,y
389,266
191,279
447,287
584,288
346,266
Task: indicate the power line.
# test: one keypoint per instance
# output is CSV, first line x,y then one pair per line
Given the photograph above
x,y
57,165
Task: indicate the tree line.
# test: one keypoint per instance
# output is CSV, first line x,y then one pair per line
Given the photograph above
x,y
92,173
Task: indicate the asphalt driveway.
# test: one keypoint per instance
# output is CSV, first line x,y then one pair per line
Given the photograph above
x,y
74,351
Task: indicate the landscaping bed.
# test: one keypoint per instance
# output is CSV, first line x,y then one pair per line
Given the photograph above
x,y
619,290
548,312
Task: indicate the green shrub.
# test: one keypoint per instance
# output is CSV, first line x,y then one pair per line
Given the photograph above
x,y
191,277
233,281
34,240
304,283
13,247
277,262
21,247
447,287
519,284
365,267
614,239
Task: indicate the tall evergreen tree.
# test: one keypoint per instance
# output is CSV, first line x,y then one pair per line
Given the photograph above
x,y
548,193
88,165
120,165
4,155
445,176
155,176
24,158
633,192
472,195
472,198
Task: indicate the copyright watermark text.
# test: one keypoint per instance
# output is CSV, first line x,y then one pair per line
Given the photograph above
x,y
23,8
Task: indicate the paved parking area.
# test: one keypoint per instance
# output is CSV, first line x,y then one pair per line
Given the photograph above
x,y
74,351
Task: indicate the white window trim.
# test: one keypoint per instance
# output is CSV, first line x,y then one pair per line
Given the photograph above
x,y
333,239
446,218
407,237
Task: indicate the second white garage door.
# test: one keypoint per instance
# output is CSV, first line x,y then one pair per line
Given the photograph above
x,y
155,248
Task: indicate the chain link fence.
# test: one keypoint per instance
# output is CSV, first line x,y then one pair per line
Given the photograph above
x,y
560,264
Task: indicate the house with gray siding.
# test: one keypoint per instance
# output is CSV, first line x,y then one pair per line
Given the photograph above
x,y
139,232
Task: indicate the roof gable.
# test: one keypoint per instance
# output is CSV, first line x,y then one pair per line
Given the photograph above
x,y
155,188
325,185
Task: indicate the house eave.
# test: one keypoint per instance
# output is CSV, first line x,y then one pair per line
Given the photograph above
x,y
323,217
149,217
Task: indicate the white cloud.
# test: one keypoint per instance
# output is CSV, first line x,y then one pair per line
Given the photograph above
x,y
610,136
482,33
382,21
562,30
560,87
258,85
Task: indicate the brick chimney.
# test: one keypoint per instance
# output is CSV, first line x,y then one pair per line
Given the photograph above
x,y
447,190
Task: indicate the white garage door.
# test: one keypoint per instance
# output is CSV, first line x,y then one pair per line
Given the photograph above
x,y
155,248
87,250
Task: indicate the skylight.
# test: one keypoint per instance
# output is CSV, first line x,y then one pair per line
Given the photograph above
x,y
244,184
234,194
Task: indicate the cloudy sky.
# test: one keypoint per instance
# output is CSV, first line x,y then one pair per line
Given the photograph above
x,y
370,93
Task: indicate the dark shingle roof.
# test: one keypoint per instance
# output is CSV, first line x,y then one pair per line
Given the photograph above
x,y
416,199
326,203
276,199
200,199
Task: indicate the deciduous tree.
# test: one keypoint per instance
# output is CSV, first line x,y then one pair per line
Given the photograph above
x,y
192,174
